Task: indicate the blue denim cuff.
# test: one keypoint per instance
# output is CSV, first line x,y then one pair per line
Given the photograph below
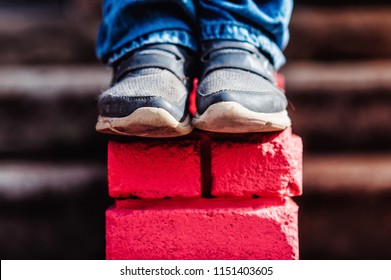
x,y
241,32
177,37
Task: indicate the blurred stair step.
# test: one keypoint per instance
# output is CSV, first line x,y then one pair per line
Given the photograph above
x,y
53,107
353,174
35,180
345,211
345,226
55,34
341,106
52,210
340,32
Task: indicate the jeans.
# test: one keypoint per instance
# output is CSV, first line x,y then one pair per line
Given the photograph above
x,y
131,24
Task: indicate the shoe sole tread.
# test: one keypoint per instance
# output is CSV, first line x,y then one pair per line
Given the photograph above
x,y
231,117
145,122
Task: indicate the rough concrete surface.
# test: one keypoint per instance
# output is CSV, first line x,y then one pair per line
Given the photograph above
x,y
267,165
202,229
154,169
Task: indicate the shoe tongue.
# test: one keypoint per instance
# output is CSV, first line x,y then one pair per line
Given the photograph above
x,y
152,70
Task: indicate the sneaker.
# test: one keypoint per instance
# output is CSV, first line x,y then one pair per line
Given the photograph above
x,y
149,94
237,92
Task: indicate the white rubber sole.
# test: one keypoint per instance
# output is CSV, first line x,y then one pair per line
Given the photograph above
x,y
145,122
231,117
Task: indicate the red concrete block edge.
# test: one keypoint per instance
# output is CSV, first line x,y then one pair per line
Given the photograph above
x,y
266,165
202,229
154,169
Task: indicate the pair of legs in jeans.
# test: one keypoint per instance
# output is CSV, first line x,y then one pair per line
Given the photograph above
x,y
157,47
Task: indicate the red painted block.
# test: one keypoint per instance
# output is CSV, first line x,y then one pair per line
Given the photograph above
x,y
202,229
154,169
265,165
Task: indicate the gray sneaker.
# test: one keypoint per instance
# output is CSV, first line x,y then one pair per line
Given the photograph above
x,y
149,94
237,92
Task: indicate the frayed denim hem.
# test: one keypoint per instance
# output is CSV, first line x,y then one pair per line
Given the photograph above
x,y
178,37
241,32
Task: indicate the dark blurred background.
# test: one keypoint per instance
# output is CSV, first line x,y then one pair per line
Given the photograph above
x,y
53,187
